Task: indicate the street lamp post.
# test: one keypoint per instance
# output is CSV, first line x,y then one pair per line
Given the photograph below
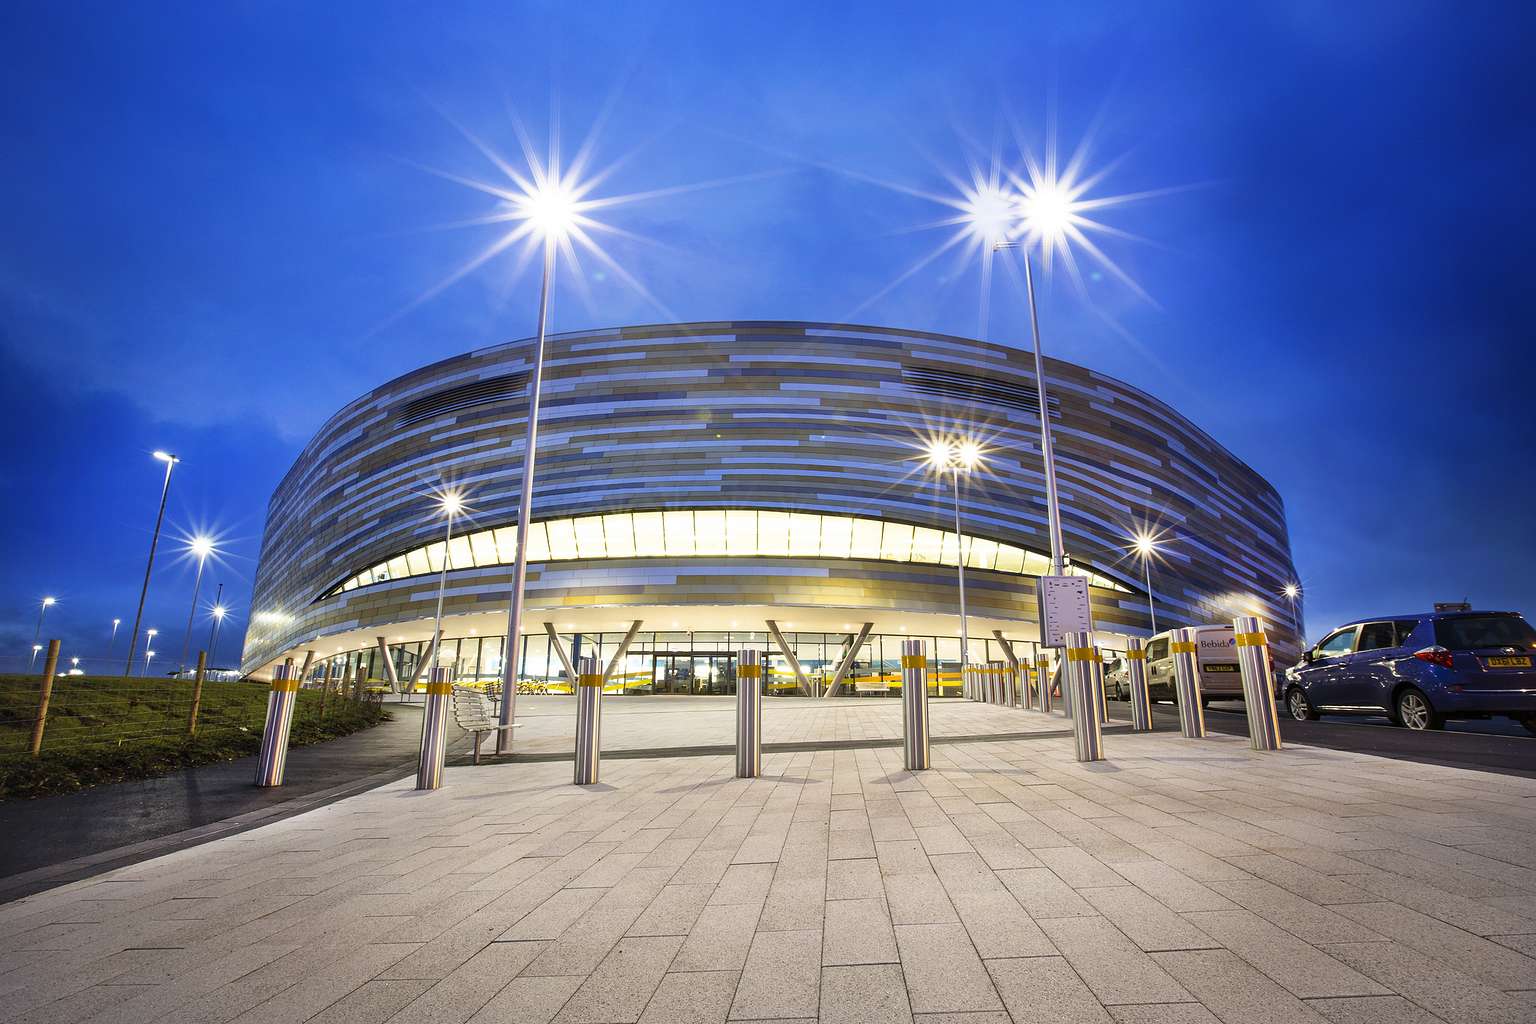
x,y
218,620
202,547
451,504
37,634
525,505
112,640
1047,452
33,663
149,638
1146,547
154,541
955,457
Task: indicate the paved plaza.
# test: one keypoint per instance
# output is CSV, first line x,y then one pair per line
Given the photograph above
x,y
1179,882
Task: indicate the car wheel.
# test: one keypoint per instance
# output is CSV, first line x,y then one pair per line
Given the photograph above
x,y
1530,724
1300,708
1415,712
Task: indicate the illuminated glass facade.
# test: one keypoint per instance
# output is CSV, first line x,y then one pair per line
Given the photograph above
x,y
705,533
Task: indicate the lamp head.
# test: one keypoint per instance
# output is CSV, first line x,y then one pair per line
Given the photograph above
x,y
940,454
1292,590
153,633
201,546
550,207
166,457
218,611
1146,545
1046,210
992,214
967,455
452,503
49,602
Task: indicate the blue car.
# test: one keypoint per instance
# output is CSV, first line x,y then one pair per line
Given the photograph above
x,y
1420,670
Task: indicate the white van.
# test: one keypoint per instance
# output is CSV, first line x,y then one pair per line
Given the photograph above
x,y
1215,653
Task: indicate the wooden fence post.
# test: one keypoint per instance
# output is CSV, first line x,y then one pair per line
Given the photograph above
x,y
49,668
197,692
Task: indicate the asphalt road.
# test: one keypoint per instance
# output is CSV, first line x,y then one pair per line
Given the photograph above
x,y
1495,745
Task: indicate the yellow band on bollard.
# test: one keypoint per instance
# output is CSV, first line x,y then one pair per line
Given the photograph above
x,y
749,671
439,689
285,686
1140,655
1183,647
914,661
1098,655
1252,640
1079,653
595,679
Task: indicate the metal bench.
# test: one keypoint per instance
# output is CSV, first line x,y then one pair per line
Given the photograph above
x,y
472,713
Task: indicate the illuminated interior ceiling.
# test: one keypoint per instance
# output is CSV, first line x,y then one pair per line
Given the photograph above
x,y
720,533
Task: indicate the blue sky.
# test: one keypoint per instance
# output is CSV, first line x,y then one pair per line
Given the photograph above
x,y
217,214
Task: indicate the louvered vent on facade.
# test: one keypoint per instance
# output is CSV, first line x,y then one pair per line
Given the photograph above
x,y
463,396
972,390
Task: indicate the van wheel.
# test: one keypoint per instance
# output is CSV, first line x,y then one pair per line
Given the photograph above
x,y
1529,721
1300,708
1414,711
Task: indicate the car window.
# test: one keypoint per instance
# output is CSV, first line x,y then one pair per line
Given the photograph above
x,y
1157,650
1339,643
1376,636
1474,631
1405,628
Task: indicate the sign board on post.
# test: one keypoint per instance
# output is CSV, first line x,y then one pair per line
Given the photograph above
x,y
1064,608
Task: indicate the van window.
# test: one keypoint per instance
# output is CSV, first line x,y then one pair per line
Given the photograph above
x,y
1376,636
1475,631
1157,650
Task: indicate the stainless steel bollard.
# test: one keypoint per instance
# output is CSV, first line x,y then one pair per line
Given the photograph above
x,y
1186,682
589,721
1087,733
1043,684
1136,680
1026,689
914,705
1100,698
273,757
1258,683
749,714
434,729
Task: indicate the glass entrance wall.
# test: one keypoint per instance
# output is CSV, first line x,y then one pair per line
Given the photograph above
x,y
684,662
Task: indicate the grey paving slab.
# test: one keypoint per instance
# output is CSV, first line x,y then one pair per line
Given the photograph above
x,y
943,971
857,932
1444,991
1373,1010
1145,921
1300,968
868,994
1045,990
1111,965
1495,964
1234,991
621,986
719,940
782,977
694,998
528,1000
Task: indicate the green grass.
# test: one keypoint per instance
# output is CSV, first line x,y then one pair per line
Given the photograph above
x,y
110,730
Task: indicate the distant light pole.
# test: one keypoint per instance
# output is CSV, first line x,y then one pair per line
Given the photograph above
x,y
1146,547
550,211
218,619
1292,592
451,503
149,638
138,616
37,634
148,657
112,640
957,457
35,648
202,547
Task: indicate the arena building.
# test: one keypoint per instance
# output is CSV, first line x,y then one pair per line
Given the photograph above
x,y
703,488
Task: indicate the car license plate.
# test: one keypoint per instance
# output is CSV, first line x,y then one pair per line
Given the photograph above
x,y
1520,661
1220,666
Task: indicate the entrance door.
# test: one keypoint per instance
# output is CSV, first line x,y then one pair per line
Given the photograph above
x,y
693,672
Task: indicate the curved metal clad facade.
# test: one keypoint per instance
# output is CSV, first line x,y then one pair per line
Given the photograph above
x,y
789,416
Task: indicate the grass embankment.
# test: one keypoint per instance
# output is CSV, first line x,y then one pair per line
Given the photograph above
x,y
113,730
